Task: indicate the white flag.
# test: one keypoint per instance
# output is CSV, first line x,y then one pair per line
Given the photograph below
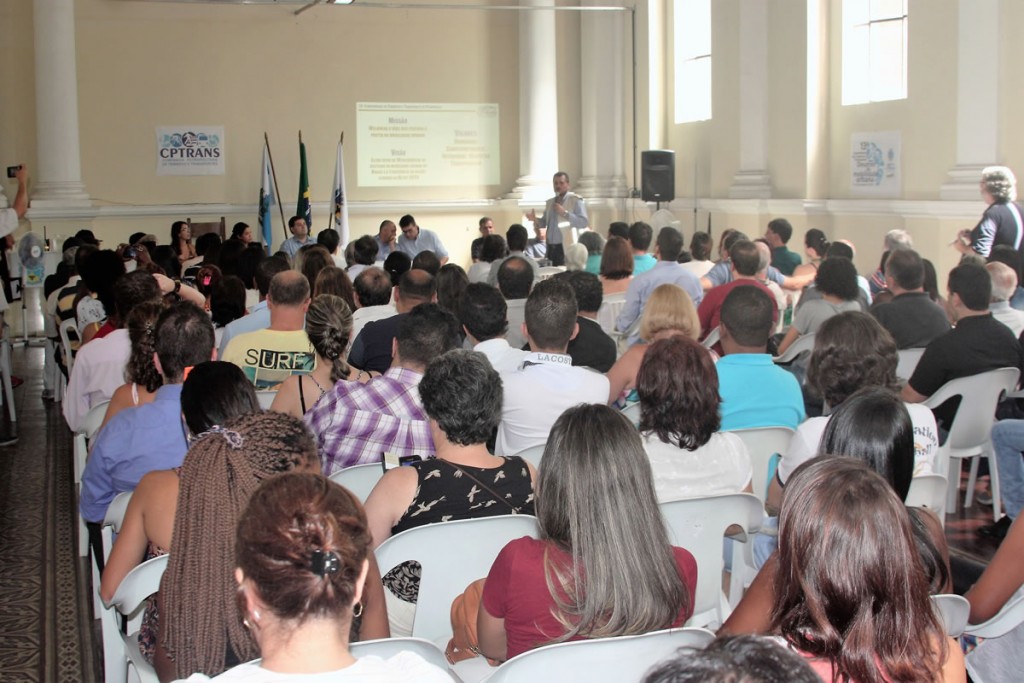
x,y
340,202
267,199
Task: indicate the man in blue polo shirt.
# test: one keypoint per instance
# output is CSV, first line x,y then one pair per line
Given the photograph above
x,y
755,392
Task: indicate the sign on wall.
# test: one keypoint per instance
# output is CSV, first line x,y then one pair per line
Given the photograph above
x,y
427,144
190,150
875,164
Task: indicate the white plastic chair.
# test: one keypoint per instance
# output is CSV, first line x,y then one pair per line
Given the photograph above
x,y
698,525
80,451
359,479
611,306
112,522
265,398
533,455
469,548
66,328
1009,617
632,411
952,611
714,336
971,430
121,651
547,271
389,647
803,343
929,491
602,660
762,443
908,360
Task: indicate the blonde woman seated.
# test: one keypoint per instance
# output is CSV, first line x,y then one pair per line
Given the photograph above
x,y
301,556
679,421
616,266
598,519
329,327
669,312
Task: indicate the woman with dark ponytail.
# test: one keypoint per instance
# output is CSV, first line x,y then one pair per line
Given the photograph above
x,y
328,326
816,245
302,556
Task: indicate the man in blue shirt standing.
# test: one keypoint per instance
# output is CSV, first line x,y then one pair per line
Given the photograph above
x,y
150,437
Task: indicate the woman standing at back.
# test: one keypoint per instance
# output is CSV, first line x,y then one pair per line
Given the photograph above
x,y
598,519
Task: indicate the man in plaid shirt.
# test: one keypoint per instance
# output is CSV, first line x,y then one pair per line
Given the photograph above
x,y
356,423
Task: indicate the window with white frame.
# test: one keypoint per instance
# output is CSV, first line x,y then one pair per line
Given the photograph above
x,y
874,50
692,50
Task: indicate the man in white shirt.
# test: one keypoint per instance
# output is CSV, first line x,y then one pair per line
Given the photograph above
x,y
99,365
482,312
1004,284
546,384
373,298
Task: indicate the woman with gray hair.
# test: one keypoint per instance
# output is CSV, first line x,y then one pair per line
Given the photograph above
x,y
1001,223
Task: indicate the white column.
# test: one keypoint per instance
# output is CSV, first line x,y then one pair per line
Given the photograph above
x,y
752,179
538,102
602,102
977,97
59,176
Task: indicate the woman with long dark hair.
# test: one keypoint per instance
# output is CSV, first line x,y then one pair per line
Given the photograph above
x,y
851,593
598,519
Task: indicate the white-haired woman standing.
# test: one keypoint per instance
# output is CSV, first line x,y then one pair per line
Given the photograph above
x,y
1001,223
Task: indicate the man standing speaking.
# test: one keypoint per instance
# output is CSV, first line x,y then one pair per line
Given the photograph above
x,y
565,209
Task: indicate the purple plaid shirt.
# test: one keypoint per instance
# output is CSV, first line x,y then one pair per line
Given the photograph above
x,y
355,423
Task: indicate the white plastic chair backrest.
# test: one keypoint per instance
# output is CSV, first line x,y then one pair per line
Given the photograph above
x,y
389,647
632,411
94,418
1008,618
265,398
128,600
533,455
65,330
972,424
359,479
762,443
112,521
698,525
804,342
451,555
547,271
952,611
609,311
928,491
603,660
908,359
713,337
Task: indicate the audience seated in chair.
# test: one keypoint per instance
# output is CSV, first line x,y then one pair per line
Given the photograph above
x,y
910,316
616,266
517,240
1004,284
258,317
591,347
666,271
372,349
515,281
734,659
744,260
598,518
142,379
836,281
690,458
355,423
483,314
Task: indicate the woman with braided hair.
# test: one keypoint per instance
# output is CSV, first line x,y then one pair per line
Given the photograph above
x,y
199,630
140,374
328,326
302,554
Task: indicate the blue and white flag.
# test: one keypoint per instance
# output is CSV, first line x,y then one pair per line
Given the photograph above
x,y
340,204
267,199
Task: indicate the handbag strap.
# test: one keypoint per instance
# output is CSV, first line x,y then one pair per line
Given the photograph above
x,y
491,491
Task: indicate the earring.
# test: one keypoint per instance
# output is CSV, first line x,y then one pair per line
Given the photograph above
x,y
245,623
256,615
357,611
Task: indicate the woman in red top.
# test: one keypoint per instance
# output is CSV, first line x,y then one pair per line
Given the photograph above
x,y
598,518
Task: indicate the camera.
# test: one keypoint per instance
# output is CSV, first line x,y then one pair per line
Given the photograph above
x,y
12,171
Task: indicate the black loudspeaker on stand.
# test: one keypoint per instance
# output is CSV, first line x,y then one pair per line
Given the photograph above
x,y
658,175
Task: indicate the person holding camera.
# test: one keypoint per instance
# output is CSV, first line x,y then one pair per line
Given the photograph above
x,y
9,217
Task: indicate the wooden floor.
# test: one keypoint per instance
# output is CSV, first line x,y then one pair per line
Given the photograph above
x,y
46,632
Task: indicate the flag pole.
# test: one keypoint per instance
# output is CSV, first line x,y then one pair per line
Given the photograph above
x,y
277,190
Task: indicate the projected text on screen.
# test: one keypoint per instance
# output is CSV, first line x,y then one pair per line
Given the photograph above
x,y
427,144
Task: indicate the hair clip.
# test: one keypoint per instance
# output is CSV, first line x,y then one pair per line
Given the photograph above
x,y
234,439
324,562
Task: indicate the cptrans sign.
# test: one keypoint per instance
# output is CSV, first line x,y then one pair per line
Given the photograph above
x,y
190,150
